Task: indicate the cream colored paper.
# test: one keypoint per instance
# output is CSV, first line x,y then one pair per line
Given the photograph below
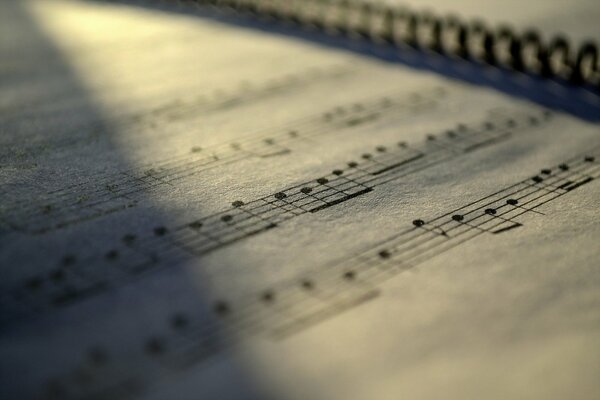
x,y
196,210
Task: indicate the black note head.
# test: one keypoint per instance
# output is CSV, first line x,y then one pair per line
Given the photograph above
x,y
384,254
97,356
195,225
112,255
307,284
129,238
34,283
69,259
237,203
458,217
490,211
280,196
160,231
154,345
512,202
179,321
268,296
221,308
58,275
418,222
306,190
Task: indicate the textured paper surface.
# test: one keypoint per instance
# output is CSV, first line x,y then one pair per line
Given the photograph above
x,y
195,210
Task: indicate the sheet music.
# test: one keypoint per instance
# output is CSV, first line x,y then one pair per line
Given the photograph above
x,y
196,210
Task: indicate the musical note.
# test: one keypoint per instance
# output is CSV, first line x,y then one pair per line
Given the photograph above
x,y
295,304
138,122
113,193
245,219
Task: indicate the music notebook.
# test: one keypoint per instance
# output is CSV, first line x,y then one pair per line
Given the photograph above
x,y
319,199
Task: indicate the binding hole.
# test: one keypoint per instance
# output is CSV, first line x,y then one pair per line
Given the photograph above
x,y
429,33
476,44
534,54
586,65
456,34
559,58
508,49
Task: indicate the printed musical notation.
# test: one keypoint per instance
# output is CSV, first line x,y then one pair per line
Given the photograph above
x,y
288,307
138,122
116,192
76,279
423,239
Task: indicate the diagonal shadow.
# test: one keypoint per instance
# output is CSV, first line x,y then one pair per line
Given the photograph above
x,y
179,306
109,346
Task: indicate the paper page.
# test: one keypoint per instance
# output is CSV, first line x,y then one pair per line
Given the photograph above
x,y
195,210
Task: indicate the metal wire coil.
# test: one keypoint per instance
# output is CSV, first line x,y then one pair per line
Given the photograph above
x,y
399,26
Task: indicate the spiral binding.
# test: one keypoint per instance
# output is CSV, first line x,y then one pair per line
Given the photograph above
x,y
451,36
